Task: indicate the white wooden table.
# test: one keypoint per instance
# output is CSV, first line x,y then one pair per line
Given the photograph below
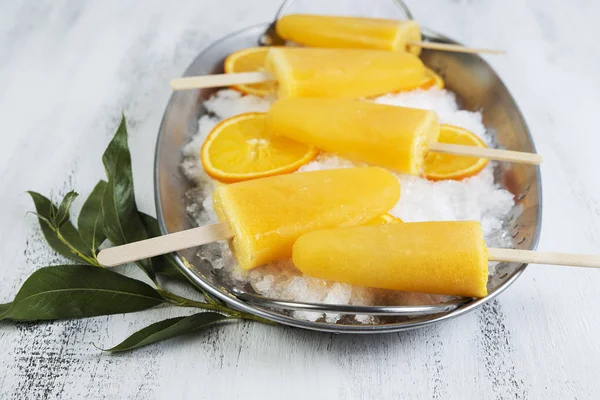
x,y
68,68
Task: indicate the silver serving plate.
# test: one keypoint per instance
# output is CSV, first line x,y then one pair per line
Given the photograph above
x,y
477,87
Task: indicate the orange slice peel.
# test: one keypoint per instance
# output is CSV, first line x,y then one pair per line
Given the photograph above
x,y
384,219
439,166
432,79
250,60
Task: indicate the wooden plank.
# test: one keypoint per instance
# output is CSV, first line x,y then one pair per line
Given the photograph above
x,y
70,68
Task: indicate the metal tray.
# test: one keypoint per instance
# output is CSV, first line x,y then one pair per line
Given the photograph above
x,y
477,87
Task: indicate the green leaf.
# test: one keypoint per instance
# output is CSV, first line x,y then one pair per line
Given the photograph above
x,y
90,221
122,222
117,149
78,291
168,329
65,239
4,308
62,215
165,264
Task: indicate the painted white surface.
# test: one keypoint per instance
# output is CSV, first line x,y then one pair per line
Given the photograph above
x,y
67,69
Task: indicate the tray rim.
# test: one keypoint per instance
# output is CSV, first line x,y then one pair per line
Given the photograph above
x,y
414,323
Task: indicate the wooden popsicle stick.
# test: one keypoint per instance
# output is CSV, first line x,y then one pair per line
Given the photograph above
x,y
483,152
148,248
452,47
540,257
217,80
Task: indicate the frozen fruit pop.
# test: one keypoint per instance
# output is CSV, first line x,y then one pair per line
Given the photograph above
x,y
388,136
394,137
267,215
431,257
332,73
263,217
342,73
349,32
362,33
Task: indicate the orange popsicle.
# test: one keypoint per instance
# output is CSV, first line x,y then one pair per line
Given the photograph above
x,y
350,32
389,136
342,73
334,73
433,257
267,215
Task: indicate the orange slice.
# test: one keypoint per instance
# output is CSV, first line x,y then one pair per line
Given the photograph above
x,y
239,148
432,80
384,219
445,166
250,60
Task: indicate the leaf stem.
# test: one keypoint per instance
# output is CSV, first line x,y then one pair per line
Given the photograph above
x,y
183,302
91,261
253,317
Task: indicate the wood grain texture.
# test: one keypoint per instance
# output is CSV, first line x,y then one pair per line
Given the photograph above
x,y
68,68
221,80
